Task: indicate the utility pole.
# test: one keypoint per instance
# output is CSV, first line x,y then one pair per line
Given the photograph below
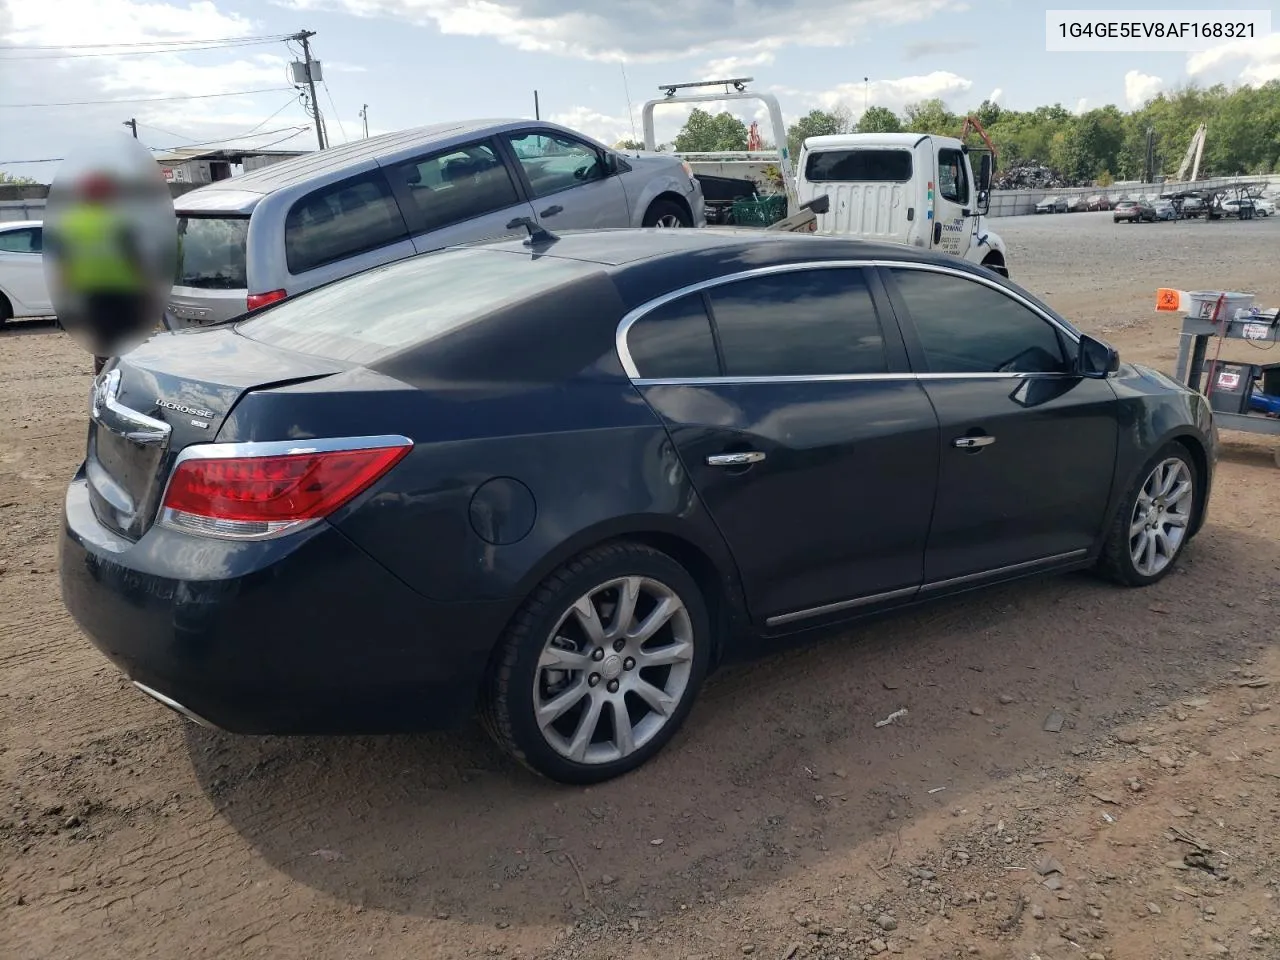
x,y
132,124
537,114
364,115
302,37
866,94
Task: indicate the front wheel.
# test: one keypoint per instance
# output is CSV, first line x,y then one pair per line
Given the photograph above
x,y
1154,522
667,214
601,665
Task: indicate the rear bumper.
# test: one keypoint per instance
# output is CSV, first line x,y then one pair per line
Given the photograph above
x,y
307,634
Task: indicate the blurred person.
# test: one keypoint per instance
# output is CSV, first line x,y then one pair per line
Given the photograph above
x,y
100,263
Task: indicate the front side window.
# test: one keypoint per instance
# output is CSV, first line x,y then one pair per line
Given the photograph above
x,y
953,184
457,185
858,166
20,241
802,323
968,327
342,220
553,162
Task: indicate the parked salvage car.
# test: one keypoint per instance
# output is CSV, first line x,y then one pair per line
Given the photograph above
x,y
351,512
277,231
1052,205
1164,210
1134,211
1076,204
1097,201
24,291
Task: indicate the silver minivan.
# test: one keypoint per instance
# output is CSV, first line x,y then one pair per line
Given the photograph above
x,y
257,238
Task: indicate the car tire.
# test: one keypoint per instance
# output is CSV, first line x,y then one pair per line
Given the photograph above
x,y
667,214
568,641
6,310
1139,549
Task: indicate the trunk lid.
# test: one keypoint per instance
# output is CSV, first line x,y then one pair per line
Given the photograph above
x,y
171,392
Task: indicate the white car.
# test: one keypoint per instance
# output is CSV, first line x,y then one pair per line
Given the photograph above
x,y
23,290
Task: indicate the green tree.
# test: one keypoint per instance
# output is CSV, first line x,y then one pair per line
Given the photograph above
x,y
879,120
628,144
9,179
817,123
932,116
705,133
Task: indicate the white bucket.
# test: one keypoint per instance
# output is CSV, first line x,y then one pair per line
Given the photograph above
x,y
1204,302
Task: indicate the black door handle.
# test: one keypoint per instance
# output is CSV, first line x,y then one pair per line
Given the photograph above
x,y
552,211
937,232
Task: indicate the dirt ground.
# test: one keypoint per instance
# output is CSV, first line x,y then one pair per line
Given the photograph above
x,y
781,824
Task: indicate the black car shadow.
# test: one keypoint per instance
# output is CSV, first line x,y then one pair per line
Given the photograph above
x,y
429,825
38,327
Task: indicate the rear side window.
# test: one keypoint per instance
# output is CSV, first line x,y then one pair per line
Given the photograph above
x,y
456,185
342,220
26,240
371,315
859,166
211,253
801,324
674,341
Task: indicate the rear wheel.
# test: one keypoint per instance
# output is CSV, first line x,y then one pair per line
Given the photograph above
x,y
601,665
6,310
667,214
1154,522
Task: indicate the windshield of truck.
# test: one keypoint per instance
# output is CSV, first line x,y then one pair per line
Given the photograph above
x,y
211,252
858,165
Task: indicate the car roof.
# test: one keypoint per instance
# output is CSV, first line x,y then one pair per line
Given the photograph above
x,y
20,224
621,247
301,169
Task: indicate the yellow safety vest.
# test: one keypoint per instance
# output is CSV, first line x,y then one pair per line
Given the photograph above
x,y
91,248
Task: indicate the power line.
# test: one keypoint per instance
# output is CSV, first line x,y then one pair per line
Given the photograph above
x,y
297,131
335,111
182,136
138,53
193,96
143,43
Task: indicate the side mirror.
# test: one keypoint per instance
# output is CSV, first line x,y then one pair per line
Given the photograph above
x,y
985,171
1096,360
818,204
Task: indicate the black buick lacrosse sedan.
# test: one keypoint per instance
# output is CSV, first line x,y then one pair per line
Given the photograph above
x,y
558,480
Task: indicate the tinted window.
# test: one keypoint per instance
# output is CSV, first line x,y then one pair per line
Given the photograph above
x,y
407,303
553,162
967,327
341,220
859,166
457,185
674,341
807,323
20,241
953,185
211,253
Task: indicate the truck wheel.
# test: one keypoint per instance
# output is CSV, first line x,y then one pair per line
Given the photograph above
x,y
667,214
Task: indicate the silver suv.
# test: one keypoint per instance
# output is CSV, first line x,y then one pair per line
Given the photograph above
x,y
258,238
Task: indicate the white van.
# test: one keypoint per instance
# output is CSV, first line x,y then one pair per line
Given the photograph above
x,y
908,188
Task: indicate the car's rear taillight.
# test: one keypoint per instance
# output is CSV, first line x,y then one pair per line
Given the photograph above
x,y
255,491
257,300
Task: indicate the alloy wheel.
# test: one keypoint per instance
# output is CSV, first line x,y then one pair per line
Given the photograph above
x,y
1161,516
668,221
614,670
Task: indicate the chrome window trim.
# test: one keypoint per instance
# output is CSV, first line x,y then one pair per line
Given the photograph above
x,y
634,316
270,448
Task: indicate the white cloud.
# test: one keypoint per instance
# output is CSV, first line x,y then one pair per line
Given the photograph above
x,y
645,31
77,22
1140,87
1257,60
593,123
996,94
728,68
894,94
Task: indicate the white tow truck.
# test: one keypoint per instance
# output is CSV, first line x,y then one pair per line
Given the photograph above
x,y
910,188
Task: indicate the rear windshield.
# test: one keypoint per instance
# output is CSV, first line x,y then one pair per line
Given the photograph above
x,y
859,166
369,316
211,252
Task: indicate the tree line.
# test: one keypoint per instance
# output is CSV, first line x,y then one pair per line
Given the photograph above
x,y
1094,146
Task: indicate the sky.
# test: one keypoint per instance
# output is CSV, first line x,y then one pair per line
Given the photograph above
x,y
593,64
